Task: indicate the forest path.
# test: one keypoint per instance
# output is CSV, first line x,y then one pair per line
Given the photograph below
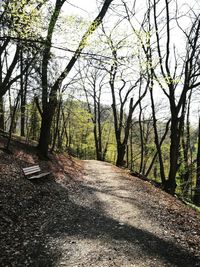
x,y
117,223
90,214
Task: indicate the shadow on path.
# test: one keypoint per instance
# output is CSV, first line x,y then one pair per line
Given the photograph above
x,y
48,215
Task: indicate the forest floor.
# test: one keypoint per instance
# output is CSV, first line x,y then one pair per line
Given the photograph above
x,y
90,214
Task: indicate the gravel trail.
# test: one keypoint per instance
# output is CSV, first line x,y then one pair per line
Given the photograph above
x,y
101,218
116,226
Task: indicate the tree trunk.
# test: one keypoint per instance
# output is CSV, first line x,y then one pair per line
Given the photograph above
x,y
1,98
12,122
34,122
23,109
141,139
55,136
96,140
99,130
186,146
196,197
131,149
177,124
45,131
156,154
156,140
170,184
1,114
121,150
23,85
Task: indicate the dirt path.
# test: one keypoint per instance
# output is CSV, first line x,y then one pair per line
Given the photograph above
x,y
103,218
115,225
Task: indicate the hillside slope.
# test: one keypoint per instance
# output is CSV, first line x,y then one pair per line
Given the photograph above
x,y
90,213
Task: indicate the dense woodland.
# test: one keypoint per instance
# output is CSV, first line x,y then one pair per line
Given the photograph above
x,y
122,86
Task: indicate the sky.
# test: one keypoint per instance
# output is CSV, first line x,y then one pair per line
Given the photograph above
x,y
85,8
88,9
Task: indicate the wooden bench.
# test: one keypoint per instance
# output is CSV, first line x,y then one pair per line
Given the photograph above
x,y
28,171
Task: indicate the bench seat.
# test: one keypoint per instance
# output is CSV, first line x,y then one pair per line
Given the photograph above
x,y
28,171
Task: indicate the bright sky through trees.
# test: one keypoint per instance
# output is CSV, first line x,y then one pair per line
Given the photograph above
x,y
82,8
88,10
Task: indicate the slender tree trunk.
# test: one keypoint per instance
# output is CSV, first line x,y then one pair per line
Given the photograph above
x,y
156,154
141,138
146,137
12,122
106,145
23,85
1,114
34,123
98,156
23,109
131,148
127,156
196,197
156,140
56,126
96,125
1,98
99,130
186,146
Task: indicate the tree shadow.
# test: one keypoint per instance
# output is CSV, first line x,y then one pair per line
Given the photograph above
x,y
93,223
42,212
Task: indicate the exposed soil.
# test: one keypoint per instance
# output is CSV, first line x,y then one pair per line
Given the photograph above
x,y
90,213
